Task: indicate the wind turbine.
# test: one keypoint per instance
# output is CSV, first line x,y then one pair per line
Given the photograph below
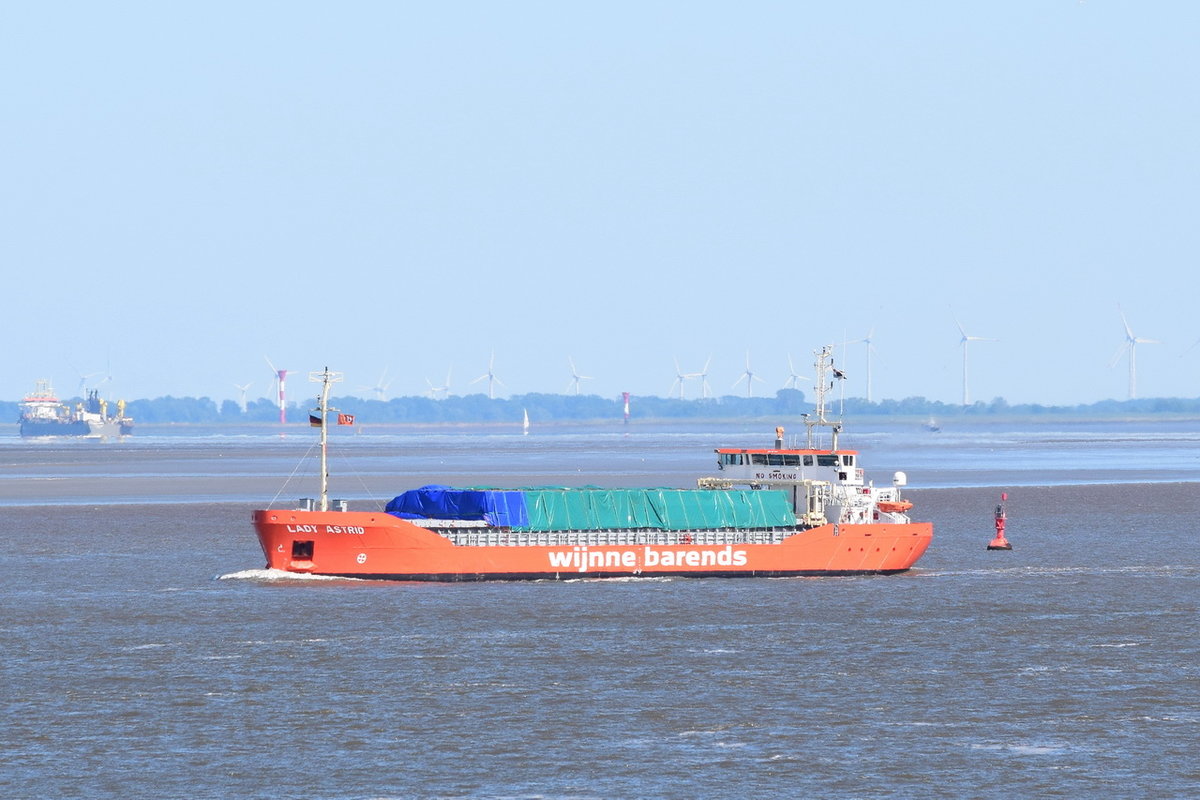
x,y
964,341
107,375
576,377
705,389
794,378
749,377
443,390
491,377
242,389
1130,344
680,377
280,383
870,349
83,379
380,388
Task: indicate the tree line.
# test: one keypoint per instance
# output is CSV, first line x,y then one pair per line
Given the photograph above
x,y
479,408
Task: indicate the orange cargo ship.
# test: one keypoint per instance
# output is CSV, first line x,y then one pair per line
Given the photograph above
x,y
770,512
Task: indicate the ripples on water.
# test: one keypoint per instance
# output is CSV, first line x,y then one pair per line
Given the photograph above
x,y
147,654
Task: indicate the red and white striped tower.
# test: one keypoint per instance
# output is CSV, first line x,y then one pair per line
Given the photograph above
x,y
282,376
280,382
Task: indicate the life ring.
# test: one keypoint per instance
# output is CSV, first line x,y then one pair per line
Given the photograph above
x,y
685,539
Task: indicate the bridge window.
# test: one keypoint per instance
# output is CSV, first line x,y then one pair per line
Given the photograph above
x,y
808,462
828,461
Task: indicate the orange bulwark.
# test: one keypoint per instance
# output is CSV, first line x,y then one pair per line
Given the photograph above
x,y
379,545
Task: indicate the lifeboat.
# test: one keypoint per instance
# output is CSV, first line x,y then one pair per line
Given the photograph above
x,y
895,506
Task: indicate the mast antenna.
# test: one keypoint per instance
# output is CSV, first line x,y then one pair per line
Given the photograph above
x,y
326,379
823,366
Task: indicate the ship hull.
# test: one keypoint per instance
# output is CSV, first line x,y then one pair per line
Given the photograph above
x,y
31,428
370,545
109,427
85,428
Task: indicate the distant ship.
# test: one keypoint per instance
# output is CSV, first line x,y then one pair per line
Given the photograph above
x,y
42,414
773,511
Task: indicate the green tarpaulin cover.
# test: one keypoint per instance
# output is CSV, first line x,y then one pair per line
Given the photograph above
x,y
657,509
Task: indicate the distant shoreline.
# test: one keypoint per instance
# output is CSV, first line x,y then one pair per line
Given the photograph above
x,y
792,424
787,407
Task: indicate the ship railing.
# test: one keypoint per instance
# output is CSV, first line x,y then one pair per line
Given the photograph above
x,y
448,523
888,494
506,537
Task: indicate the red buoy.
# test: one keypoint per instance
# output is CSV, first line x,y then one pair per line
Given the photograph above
x,y
999,542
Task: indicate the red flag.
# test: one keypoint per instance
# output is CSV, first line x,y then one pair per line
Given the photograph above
x,y
345,419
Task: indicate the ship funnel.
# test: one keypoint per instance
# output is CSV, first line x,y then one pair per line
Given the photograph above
x,y
899,479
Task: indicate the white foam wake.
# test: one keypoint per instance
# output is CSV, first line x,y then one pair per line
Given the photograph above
x,y
277,575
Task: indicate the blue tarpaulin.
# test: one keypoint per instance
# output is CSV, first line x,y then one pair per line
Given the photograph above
x,y
550,509
497,507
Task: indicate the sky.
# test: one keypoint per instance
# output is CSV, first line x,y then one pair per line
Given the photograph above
x,y
405,191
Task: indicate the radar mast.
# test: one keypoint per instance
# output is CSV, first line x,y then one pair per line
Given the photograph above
x,y
824,365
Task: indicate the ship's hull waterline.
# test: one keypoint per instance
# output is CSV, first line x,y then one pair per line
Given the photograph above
x,y
375,545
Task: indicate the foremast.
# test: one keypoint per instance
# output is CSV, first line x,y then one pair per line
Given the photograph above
x,y
824,366
326,379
